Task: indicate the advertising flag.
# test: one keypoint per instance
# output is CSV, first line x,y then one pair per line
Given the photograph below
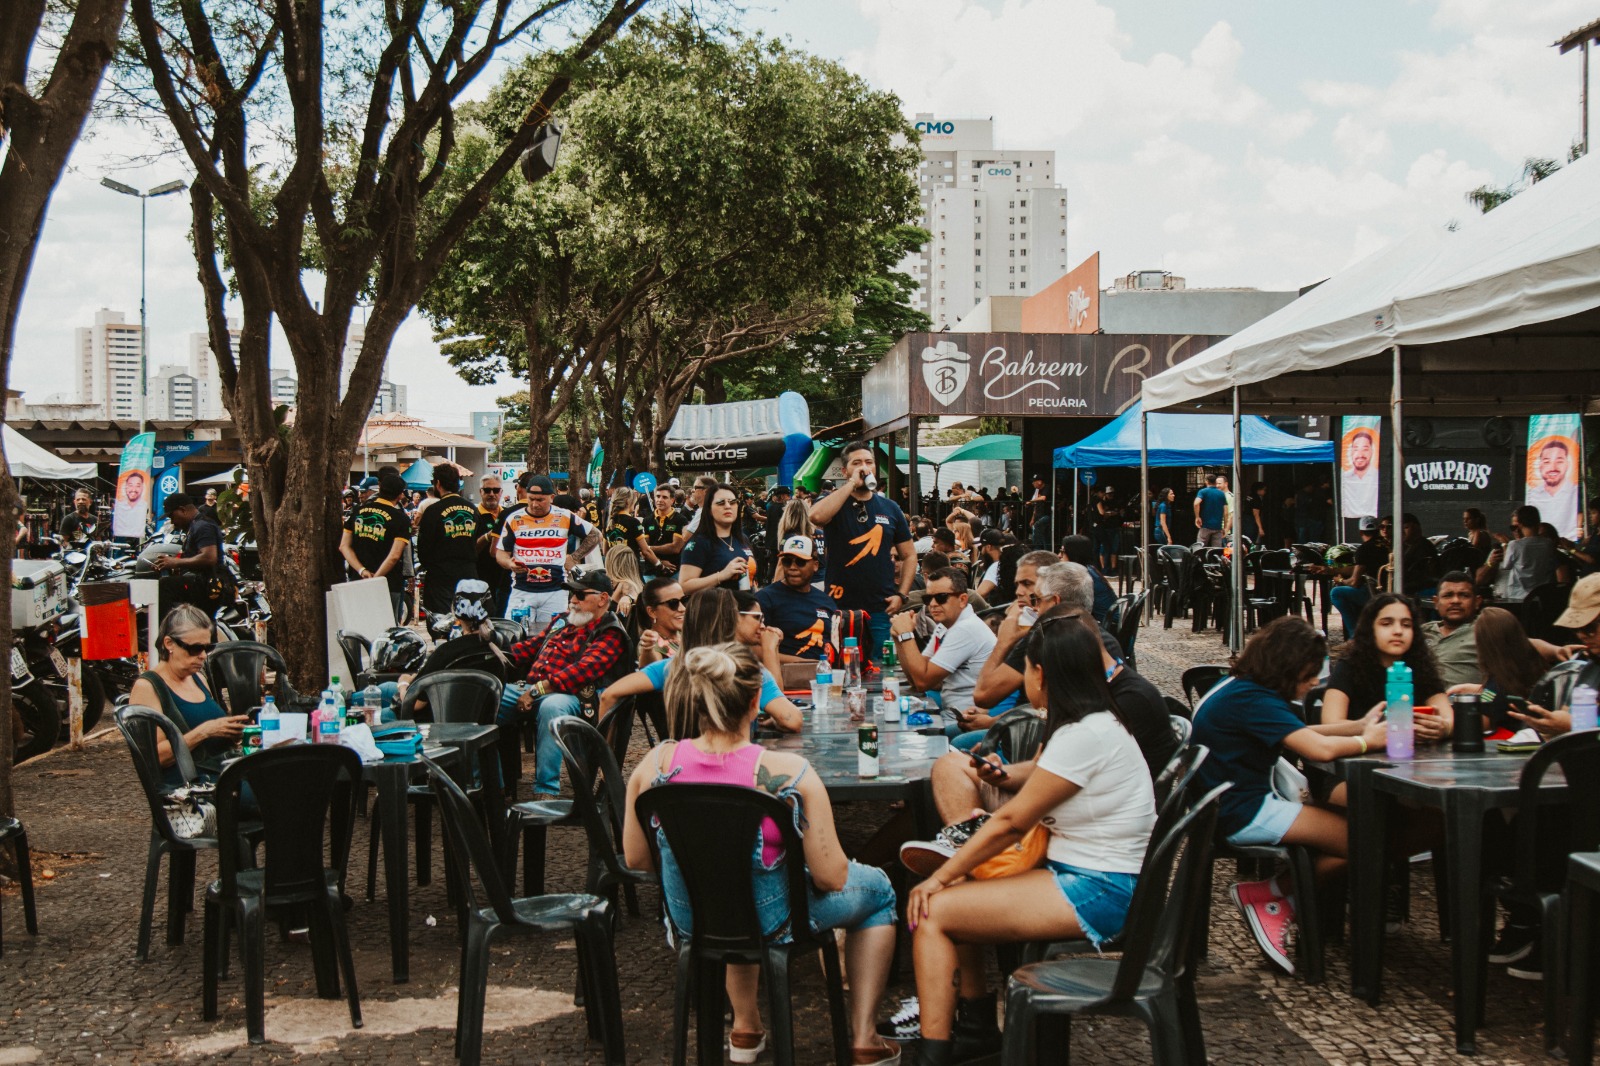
x,y
1555,466
132,506
1358,465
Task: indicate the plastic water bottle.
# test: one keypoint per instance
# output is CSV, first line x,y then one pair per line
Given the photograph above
x,y
328,721
372,700
1584,699
852,663
1397,690
270,722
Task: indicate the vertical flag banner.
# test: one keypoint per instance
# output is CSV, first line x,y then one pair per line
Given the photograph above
x,y
1555,465
132,506
1358,465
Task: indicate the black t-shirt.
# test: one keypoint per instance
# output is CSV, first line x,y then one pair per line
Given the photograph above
x,y
660,529
489,571
1422,564
712,553
860,542
1145,713
374,527
1017,657
1370,556
624,529
801,615
1364,688
76,529
200,535
447,539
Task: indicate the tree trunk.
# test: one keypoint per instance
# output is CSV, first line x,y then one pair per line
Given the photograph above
x,y
539,424
301,566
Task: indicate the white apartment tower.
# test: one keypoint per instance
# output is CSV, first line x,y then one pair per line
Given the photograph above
x,y
203,369
106,355
997,219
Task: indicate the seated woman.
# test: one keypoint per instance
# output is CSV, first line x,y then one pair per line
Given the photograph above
x,y
1511,665
1388,631
716,616
622,567
471,606
1248,720
662,602
1091,789
718,688
176,687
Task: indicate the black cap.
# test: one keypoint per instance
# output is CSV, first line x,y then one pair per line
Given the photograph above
x,y
541,483
176,502
781,490
1038,477
581,581
991,537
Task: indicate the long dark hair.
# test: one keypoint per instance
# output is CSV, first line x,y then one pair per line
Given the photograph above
x,y
708,525
1074,670
1281,655
1362,650
1005,585
710,616
1505,657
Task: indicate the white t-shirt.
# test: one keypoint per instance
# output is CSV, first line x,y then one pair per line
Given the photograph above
x,y
960,650
1105,826
991,575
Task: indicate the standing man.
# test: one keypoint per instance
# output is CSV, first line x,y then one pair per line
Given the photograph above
x,y
1211,513
489,571
540,544
703,484
376,537
662,527
1528,561
198,576
447,541
865,536
208,510
796,607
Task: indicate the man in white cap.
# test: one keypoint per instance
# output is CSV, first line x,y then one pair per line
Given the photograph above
x,y
794,606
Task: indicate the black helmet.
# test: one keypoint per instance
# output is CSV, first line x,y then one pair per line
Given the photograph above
x,y
399,651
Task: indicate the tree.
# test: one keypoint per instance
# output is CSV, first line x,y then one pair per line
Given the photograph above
x,y
717,196
1534,170
41,118
321,140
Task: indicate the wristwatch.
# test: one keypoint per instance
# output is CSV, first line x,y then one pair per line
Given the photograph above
x,y
909,634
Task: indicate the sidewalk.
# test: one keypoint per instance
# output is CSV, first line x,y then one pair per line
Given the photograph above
x,y
75,994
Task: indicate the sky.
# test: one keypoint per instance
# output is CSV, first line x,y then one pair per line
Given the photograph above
x,y
1242,143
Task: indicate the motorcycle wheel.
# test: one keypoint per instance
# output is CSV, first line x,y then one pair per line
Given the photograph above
x,y
94,705
36,709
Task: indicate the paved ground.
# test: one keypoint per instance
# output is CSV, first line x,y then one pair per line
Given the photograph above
x,y
75,994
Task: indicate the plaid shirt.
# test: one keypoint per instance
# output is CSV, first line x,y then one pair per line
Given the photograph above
x,y
566,658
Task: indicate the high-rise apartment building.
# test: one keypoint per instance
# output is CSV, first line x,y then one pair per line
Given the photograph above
x,y
390,400
178,395
996,218
203,369
106,357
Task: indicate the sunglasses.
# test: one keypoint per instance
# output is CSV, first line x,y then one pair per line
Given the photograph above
x,y
192,649
792,560
490,492
752,614
674,604
941,598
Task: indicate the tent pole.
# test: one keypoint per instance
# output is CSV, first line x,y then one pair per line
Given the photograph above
x,y
912,479
1338,478
1144,504
1074,501
1396,556
1236,621
1055,480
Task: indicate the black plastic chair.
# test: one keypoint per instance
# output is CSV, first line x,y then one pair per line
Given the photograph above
x,y
532,820
140,727
1127,628
1583,894
601,793
1182,727
1303,897
1198,680
1015,736
299,789
1541,609
1154,979
1542,834
492,910
1311,706
1171,573
507,632
1177,708
11,829
712,831
357,652
233,671
468,696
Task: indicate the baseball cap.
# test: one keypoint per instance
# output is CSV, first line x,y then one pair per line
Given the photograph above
x,y
780,490
581,581
673,482
541,484
991,537
1038,477
368,484
1583,605
799,545
1369,524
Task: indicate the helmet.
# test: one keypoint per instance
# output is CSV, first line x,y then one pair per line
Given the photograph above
x,y
474,601
1340,555
1554,689
399,651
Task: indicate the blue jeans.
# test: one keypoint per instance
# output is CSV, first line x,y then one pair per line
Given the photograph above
x,y
546,756
1349,600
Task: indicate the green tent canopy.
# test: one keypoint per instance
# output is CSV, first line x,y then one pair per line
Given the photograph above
x,y
992,447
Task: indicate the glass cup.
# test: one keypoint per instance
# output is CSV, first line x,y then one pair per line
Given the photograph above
x,y
819,697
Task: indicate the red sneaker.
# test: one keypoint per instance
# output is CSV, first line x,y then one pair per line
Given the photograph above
x,y
1272,922
1246,893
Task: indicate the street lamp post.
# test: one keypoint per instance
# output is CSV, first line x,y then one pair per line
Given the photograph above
x,y
144,329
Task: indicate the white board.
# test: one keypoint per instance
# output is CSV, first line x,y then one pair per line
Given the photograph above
x,y
357,607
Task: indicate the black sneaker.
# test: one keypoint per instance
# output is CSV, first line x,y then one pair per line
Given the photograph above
x,y
1514,944
1531,966
905,1024
922,857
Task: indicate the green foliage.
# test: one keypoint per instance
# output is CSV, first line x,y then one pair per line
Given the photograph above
x,y
1534,170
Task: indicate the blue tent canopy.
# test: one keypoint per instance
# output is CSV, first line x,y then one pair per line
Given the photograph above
x,y
1190,440
419,475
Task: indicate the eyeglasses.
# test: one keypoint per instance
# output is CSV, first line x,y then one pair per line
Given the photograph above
x,y
941,598
192,649
674,604
490,492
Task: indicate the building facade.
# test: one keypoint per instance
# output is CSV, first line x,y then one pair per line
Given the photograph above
x,y
106,357
997,220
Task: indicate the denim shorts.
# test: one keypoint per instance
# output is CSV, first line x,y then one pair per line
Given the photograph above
x,y
1100,899
1269,825
866,900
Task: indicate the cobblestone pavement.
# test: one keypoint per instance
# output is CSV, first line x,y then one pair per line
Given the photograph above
x,y
75,994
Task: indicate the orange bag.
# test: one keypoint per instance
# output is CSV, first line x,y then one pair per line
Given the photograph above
x,y
1019,858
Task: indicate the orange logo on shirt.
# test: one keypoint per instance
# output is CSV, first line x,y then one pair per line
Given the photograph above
x,y
872,539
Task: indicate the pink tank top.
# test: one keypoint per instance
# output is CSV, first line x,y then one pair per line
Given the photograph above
x,y
691,766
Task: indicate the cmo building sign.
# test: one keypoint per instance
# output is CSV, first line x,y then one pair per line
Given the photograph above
x,y
1016,374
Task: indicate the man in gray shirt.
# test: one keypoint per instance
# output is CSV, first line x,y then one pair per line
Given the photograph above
x,y
960,646
1519,567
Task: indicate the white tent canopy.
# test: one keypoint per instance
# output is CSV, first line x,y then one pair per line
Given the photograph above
x,y
27,459
221,480
1498,317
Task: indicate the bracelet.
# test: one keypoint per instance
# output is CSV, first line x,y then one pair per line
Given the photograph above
x,y
1363,742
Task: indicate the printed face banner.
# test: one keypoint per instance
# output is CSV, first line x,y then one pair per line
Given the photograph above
x,y
1554,467
132,506
1358,465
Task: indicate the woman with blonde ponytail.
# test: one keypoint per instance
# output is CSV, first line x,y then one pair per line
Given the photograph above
x,y
719,687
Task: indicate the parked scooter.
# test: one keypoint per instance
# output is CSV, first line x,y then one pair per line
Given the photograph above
x,y
35,718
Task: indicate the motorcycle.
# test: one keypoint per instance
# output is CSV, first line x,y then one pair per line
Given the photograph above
x,y
35,716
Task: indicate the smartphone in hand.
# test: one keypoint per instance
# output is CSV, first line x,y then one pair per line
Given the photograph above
x,y
979,763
